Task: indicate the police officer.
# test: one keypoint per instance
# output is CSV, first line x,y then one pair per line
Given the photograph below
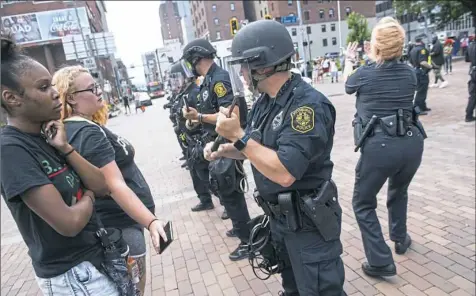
x,y
288,141
216,92
419,60
392,139
470,57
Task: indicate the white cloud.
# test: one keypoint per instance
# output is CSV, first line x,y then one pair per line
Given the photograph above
x,y
136,28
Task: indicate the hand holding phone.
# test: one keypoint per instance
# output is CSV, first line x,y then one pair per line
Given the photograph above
x,y
56,135
169,231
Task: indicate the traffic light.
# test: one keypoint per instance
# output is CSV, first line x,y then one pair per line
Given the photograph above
x,y
268,17
233,26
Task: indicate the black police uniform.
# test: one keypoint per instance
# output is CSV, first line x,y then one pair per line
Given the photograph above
x,y
216,92
471,58
391,152
299,125
419,54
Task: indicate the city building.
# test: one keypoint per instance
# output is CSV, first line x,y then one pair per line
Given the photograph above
x,y
211,19
185,13
39,26
415,26
157,63
170,21
320,18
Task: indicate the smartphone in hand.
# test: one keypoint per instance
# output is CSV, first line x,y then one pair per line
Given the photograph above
x,y
169,231
49,133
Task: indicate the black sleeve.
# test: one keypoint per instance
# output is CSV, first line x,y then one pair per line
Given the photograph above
x,y
91,142
223,93
353,82
24,171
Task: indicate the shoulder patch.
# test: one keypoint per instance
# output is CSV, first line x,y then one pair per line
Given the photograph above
x,y
423,51
220,89
302,119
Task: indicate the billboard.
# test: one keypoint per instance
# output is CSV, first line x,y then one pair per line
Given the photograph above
x,y
46,25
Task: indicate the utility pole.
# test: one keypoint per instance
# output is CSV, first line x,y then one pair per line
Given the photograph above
x,y
158,64
339,25
300,39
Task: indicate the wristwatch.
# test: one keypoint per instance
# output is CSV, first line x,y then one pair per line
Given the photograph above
x,y
240,144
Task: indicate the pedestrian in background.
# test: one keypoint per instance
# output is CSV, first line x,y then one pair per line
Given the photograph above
x,y
437,61
334,71
448,53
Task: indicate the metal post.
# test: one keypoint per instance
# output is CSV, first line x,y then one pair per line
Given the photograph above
x,y
300,39
425,15
339,25
158,62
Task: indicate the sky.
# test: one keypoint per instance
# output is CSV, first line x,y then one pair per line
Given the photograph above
x,y
136,28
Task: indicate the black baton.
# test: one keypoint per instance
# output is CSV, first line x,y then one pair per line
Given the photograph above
x,y
219,139
366,132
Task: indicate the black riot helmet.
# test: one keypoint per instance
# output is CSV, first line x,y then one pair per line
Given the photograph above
x,y
196,50
180,76
434,39
258,45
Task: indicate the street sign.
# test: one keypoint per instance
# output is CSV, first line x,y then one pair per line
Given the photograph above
x,y
290,19
90,64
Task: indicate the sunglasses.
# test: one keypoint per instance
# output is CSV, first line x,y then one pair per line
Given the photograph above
x,y
94,90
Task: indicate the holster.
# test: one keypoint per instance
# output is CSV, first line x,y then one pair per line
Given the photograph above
x,y
389,125
324,211
263,204
417,122
289,207
223,176
358,129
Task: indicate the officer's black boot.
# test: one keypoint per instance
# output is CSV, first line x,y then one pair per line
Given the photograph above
x,y
231,233
401,247
241,252
203,207
376,271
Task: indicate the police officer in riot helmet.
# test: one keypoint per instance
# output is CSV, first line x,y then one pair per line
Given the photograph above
x,y
470,57
419,60
227,178
390,137
288,141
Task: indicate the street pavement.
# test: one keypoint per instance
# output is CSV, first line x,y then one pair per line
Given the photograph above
x,y
441,211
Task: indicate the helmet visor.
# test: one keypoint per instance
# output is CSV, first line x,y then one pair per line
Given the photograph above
x,y
187,68
177,81
241,80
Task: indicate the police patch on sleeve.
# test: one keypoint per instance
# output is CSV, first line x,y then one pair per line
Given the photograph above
x,y
219,89
302,119
423,51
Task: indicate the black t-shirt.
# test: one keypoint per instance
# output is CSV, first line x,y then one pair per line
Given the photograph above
x,y
383,89
27,162
100,146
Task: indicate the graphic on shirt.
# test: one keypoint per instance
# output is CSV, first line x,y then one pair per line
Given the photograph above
x,y
302,119
51,172
277,120
220,89
205,95
123,142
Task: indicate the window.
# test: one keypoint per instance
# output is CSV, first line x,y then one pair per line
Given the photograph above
x,y
265,11
324,42
334,41
331,12
215,20
203,12
218,37
232,7
214,7
305,2
306,15
261,13
308,29
290,2
323,28
348,11
272,6
321,13
293,31
333,27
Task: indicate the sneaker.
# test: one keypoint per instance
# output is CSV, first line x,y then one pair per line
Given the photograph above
x,y
444,84
241,252
203,207
433,85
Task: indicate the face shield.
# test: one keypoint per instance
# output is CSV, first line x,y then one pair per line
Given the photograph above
x,y
187,69
177,82
242,81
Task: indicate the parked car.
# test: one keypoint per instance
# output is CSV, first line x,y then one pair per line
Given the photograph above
x,y
144,98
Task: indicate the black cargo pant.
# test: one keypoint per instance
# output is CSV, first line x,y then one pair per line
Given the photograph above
x,y
312,266
472,96
237,209
422,89
200,179
383,157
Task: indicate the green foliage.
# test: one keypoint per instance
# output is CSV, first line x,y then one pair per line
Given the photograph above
x,y
358,28
449,10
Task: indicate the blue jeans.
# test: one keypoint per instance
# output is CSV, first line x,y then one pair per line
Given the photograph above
x,y
82,280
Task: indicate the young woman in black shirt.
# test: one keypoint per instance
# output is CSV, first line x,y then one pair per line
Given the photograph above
x,y
45,182
130,206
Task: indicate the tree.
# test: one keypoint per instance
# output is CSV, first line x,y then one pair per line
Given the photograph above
x,y
444,11
358,28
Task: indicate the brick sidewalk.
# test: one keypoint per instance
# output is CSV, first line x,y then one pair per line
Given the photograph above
x,y
441,215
